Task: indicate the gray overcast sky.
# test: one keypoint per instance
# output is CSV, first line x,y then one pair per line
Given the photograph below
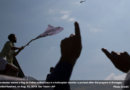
x,y
103,23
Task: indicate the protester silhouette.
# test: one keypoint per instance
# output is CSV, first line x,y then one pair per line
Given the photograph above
x,y
8,52
70,51
51,69
120,60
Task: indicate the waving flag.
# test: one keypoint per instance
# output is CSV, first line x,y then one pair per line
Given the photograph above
x,y
51,30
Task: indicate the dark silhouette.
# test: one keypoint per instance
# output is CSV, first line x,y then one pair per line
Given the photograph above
x,y
120,60
8,51
70,51
7,56
82,1
13,39
51,69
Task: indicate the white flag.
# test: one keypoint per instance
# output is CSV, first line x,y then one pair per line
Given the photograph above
x,y
51,30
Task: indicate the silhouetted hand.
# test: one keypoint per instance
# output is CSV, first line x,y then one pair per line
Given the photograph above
x,y
71,47
120,60
22,48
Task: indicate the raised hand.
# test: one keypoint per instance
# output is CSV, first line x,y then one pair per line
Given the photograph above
x,y
120,60
71,47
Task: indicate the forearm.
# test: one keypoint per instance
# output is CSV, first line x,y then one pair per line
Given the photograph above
x,y
15,48
15,54
62,71
71,61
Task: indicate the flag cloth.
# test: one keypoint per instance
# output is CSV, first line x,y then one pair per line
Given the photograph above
x,y
51,30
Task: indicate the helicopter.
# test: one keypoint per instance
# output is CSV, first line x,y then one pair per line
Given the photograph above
x,y
82,1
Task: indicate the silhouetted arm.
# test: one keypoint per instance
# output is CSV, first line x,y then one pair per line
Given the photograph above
x,y
16,53
120,60
15,48
70,51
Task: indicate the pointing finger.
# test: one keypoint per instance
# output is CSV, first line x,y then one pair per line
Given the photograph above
x,y
106,53
77,30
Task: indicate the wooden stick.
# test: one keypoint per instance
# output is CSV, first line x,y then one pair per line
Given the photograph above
x,y
29,42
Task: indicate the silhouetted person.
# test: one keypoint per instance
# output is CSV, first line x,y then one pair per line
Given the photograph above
x,y
70,51
122,62
8,52
51,69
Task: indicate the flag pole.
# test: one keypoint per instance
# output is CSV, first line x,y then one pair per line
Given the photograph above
x,y
29,42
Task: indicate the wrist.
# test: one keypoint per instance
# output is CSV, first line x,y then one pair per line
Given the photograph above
x,y
20,49
68,60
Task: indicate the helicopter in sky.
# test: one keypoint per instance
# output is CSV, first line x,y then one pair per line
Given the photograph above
x,y
82,1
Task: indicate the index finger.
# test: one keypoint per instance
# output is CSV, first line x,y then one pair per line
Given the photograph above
x,y
107,53
77,30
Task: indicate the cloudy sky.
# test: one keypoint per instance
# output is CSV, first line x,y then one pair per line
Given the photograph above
x,y
103,23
